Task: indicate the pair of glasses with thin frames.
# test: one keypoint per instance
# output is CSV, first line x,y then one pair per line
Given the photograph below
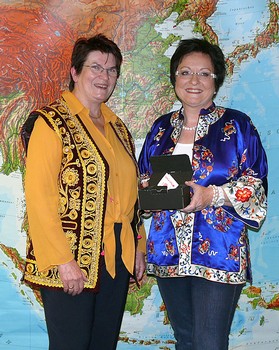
x,y
187,74
98,70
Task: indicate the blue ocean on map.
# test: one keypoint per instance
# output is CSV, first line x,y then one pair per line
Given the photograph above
x,y
13,330
16,310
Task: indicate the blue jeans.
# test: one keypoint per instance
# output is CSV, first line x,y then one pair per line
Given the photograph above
x,y
200,311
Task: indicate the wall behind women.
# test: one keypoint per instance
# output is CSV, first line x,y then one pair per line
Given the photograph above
x,y
36,42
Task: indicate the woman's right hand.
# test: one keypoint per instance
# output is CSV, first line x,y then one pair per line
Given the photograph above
x,y
144,183
72,277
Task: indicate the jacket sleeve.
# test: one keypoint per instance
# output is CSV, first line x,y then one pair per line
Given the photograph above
x,y
42,197
248,193
148,149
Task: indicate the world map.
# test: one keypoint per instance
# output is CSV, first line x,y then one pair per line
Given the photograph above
x,y
36,42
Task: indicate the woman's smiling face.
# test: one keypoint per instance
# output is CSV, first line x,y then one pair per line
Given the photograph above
x,y
192,90
92,86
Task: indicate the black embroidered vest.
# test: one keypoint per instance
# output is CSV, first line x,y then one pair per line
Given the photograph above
x,y
82,185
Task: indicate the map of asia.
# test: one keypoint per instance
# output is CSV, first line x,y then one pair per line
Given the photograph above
x,y
37,37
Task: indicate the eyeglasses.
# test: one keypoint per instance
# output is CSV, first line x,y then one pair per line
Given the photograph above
x,y
97,70
187,74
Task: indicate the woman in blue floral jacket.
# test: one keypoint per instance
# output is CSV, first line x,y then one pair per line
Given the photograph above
x,y
200,254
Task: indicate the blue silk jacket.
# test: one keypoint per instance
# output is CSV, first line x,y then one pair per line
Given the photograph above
x,y
211,243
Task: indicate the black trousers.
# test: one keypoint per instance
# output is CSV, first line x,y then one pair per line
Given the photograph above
x,y
88,321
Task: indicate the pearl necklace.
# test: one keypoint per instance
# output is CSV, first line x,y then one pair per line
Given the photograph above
x,y
187,128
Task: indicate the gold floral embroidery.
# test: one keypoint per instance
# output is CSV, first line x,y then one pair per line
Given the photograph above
x,y
91,188
71,238
85,259
70,177
78,138
85,153
88,224
73,215
87,243
29,268
91,169
90,205
74,204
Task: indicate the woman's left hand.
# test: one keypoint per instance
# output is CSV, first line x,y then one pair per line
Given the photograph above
x,y
202,197
140,266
